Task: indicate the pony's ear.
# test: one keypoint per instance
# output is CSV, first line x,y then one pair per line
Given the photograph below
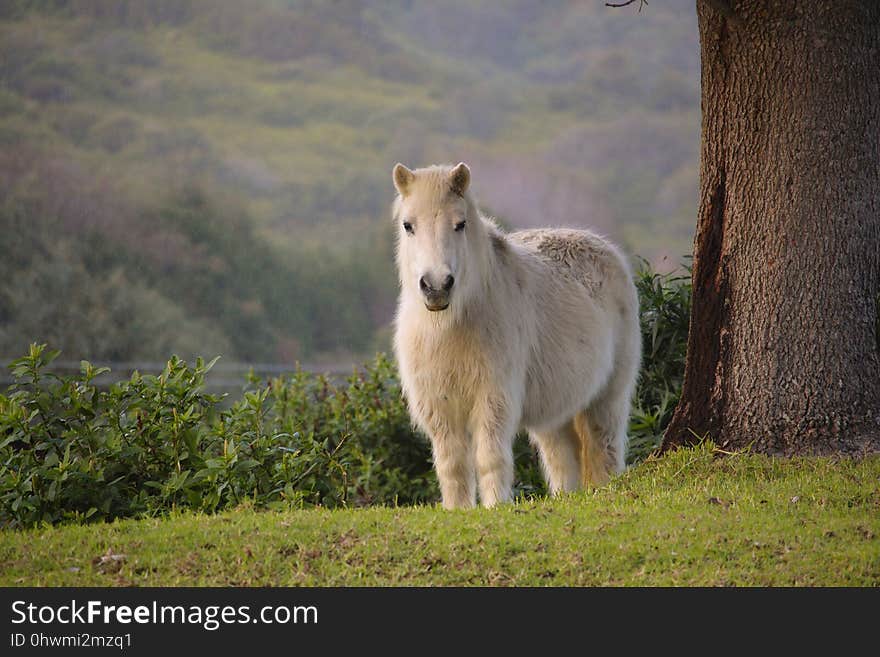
x,y
403,178
460,178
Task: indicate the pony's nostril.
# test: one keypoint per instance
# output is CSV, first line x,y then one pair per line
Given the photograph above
x,y
448,283
424,284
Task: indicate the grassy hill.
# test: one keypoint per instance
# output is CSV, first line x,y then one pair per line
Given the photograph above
x,y
692,517
221,168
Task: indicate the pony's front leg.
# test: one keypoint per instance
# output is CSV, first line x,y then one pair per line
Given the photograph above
x,y
453,461
494,435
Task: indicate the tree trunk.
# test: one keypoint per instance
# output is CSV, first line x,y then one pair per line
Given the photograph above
x,y
782,353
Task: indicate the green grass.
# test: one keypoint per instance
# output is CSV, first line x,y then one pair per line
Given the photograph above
x,y
693,517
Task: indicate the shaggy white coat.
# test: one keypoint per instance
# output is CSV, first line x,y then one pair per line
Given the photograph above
x,y
541,332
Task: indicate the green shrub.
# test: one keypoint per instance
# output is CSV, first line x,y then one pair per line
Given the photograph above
x,y
665,309
72,451
363,421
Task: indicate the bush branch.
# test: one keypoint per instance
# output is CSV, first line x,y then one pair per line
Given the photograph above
x,y
626,3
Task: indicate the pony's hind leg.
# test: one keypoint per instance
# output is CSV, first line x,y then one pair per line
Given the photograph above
x,y
560,453
602,449
602,425
602,430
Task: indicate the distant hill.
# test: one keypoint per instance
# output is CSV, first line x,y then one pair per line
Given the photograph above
x,y
214,176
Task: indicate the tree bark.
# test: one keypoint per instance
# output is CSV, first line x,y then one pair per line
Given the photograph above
x,y
782,353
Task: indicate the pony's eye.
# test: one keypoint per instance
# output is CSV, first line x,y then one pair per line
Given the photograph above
x,y
459,226
408,227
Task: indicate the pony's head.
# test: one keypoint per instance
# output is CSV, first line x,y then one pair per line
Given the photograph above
x,y
440,235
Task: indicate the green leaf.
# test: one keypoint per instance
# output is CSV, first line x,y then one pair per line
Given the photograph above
x,y
8,441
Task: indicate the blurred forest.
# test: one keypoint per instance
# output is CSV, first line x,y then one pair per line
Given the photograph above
x,y
207,177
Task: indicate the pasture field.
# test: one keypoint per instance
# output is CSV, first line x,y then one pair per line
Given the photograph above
x,y
694,517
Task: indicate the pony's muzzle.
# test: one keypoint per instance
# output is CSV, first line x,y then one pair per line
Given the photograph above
x,y
436,298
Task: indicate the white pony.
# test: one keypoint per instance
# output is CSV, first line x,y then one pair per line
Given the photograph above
x,y
536,329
